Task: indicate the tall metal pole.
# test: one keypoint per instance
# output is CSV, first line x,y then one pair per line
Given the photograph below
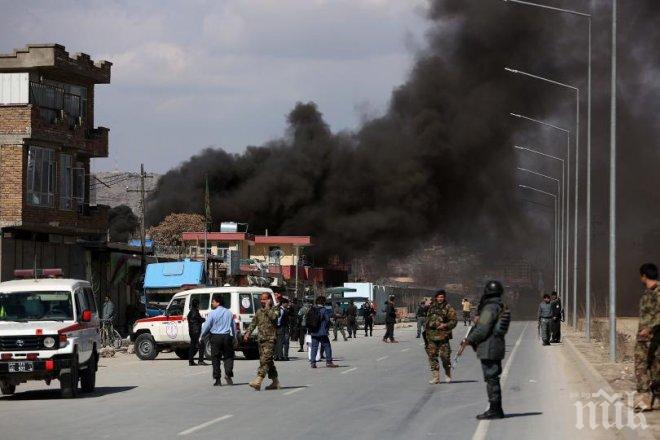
x,y
577,180
562,213
143,257
612,267
297,267
587,257
545,193
549,178
588,213
568,220
576,207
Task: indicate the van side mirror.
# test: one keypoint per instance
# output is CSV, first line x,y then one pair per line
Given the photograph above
x,y
86,316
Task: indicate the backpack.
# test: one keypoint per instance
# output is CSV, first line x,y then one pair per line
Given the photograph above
x,y
313,319
503,320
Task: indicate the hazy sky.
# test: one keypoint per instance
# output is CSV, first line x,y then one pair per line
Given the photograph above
x,y
191,74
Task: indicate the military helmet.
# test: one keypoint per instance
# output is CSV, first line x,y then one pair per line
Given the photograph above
x,y
493,288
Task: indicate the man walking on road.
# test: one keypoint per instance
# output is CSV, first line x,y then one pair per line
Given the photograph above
x,y
390,320
368,312
557,318
487,336
545,319
195,322
647,347
440,321
351,319
422,310
265,320
302,323
282,340
466,307
220,325
318,325
340,321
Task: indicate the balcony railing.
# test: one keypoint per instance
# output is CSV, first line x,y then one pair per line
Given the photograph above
x,y
53,101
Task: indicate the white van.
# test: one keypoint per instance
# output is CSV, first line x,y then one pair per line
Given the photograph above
x,y
49,330
170,331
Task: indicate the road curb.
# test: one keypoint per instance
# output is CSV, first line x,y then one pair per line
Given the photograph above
x,y
589,372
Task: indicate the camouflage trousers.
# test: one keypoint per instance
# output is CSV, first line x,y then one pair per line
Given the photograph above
x,y
647,365
441,349
339,327
266,359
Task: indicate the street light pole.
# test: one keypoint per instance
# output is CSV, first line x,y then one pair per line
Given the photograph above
x,y
559,193
566,201
576,197
587,321
554,196
612,293
562,211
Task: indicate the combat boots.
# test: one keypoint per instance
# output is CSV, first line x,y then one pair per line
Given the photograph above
x,y
275,384
494,412
435,377
229,380
256,383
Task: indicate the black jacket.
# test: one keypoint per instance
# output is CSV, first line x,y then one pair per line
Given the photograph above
x,y
368,312
390,313
488,345
195,322
557,311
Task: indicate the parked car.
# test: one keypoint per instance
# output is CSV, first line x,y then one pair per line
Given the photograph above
x,y
49,329
170,331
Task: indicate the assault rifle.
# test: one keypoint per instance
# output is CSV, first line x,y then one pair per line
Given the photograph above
x,y
459,353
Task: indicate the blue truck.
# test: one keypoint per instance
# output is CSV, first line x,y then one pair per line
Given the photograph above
x,y
163,280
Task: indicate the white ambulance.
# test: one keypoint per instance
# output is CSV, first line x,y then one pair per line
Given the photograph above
x,y
49,329
170,331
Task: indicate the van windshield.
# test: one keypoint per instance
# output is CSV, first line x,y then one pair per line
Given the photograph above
x,y
42,306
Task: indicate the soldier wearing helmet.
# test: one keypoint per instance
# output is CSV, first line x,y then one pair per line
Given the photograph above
x,y
489,345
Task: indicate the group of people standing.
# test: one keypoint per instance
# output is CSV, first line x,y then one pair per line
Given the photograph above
x,y
550,317
436,321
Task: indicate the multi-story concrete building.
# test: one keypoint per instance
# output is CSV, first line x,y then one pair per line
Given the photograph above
x,y
47,140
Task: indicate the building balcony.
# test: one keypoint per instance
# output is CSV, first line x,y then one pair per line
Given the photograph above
x,y
97,141
21,121
83,220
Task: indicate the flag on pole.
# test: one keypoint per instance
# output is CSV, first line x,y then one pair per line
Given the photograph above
x,y
207,202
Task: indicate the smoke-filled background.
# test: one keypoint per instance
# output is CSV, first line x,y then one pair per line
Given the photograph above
x,y
440,164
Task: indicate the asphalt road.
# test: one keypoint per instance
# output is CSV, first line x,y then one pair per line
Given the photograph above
x,y
381,392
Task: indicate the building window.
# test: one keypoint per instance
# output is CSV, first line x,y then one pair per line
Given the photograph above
x,y
53,97
79,183
40,176
66,180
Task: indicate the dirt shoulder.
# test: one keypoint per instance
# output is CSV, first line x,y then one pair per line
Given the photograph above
x,y
618,375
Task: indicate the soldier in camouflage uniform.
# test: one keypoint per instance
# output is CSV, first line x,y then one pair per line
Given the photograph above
x,y
647,350
265,320
440,320
339,321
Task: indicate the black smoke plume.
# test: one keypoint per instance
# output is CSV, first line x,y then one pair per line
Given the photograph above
x,y
122,223
440,161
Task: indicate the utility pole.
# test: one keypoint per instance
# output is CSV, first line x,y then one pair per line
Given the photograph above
x,y
142,192
612,259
